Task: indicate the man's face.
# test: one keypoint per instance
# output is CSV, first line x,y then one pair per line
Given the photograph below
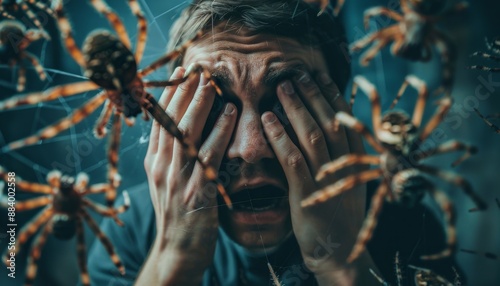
x,y
249,67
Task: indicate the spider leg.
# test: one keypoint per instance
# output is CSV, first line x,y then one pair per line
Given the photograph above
x,y
50,94
63,124
81,252
33,203
168,57
113,19
274,277
423,94
444,107
109,212
486,56
31,15
365,41
366,232
100,129
450,146
379,279
369,89
42,7
54,179
484,68
142,29
450,218
346,161
428,272
67,35
380,11
168,124
26,186
448,53
36,252
36,64
21,77
97,189
6,14
456,180
491,125
104,240
493,46
356,125
29,229
368,56
397,266
341,186
114,178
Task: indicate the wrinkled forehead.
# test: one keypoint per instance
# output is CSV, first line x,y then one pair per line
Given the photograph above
x,y
240,50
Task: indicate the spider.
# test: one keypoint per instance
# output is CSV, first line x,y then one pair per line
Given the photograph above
x,y
109,64
324,4
398,142
486,119
65,208
9,7
412,35
494,47
14,40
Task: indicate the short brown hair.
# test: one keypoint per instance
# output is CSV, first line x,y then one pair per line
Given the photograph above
x,y
289,18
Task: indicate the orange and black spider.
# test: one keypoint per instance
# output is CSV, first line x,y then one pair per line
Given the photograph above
x,y
398,139
487,119
413,35
323,4
107,60
494,48
64,209
14,40
9,8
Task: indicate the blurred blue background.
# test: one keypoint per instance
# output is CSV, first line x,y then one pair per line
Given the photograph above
x,y
76,150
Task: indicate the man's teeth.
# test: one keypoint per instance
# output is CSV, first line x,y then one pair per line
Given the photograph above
x,y
258,205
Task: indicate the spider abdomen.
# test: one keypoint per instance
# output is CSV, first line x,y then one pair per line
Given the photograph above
x,y
63,226
409,187
110,64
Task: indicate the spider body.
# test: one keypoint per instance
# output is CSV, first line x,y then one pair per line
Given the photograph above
x,y
403,177
413,35
64,211
14,40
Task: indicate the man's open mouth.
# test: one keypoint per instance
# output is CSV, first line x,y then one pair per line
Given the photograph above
x,y
259,199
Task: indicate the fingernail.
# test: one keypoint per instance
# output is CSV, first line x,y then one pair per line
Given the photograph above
x,y
304,78
189,69
269,118
325,79
229,109
178,72
287,87
203,80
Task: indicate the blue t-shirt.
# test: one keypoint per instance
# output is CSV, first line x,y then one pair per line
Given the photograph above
x,y
412,232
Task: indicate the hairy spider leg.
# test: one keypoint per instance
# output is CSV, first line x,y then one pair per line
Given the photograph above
x,y
36,252
104,240
456,180
107,211
28,230
491,125
142,30
346,161
448,54
369,89
33,203
422,279
366,232
81,251
114,20
450,219
341,186
423,95
353,123
48,95
63,124
437,118
114,177
67,35
447,147
380,11
36,64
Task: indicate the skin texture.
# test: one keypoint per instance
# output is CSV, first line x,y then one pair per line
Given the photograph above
x,y
255,72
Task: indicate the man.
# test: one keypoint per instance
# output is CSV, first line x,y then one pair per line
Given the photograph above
x,y
280,68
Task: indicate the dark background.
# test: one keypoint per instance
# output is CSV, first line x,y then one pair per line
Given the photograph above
x,y
76,150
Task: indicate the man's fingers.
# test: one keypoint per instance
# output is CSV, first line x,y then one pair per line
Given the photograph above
x,y
318,103
291,159
192,122
310,135
165,98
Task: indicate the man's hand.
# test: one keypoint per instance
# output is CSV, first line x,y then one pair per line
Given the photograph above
x,y
184,201
326,232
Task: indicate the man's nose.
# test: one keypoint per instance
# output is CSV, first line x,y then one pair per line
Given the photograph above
x,y
249,143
